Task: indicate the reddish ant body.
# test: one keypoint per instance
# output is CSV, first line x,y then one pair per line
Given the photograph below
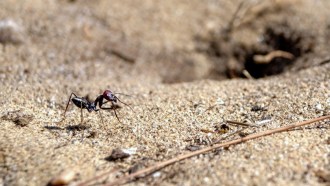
x,y
84,103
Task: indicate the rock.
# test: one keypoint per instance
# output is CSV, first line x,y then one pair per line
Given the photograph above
x,y
10,32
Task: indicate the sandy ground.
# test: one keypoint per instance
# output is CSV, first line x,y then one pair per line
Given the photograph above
x,y
162,54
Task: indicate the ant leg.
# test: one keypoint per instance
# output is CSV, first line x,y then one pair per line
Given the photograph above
x,y
81,115
114,110
99,100
67,105
113,107
125,104
100,116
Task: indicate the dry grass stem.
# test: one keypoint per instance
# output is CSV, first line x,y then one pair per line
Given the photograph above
x,y
264,59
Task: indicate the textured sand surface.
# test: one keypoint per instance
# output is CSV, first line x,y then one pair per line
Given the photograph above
x,y
61,47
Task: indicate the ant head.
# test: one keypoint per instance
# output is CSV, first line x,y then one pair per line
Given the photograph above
x,y
108,95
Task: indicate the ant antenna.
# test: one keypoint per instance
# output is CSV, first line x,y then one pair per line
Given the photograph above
x,y
116,115
124,103
67,105
122,94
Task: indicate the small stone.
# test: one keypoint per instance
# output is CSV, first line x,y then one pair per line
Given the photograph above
x,y
192,147
220,101
64,178
319,107
156,174
117,154
130,151
257,108
23,120
10,32
19,117
323,176
328,102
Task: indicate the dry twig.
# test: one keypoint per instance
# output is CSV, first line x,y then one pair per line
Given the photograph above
x,y
160,165
242,124
231,22
264,59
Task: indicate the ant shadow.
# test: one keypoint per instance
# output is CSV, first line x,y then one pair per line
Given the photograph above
x,y
53,127
72,128
78,127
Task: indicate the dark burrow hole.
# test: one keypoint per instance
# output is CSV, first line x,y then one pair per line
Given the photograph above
x,y
281,47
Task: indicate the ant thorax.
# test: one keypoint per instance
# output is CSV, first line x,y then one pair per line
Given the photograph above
x,y
91,107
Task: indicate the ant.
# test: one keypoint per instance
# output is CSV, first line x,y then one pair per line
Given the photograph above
x,y
84,103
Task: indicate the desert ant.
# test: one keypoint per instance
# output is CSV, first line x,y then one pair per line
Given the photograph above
x,y
84,103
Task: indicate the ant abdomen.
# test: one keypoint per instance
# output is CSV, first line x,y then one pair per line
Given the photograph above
x,y
80,102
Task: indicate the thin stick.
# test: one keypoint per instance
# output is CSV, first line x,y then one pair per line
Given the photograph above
x,y
151,169
231,22
324,62
265,59
240,123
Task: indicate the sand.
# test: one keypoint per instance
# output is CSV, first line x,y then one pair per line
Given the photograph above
x,y
177,93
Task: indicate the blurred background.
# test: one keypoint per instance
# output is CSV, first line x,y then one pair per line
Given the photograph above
x,y
74,44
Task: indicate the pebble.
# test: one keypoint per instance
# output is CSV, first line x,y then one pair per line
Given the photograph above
x,y
10,32
64,178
